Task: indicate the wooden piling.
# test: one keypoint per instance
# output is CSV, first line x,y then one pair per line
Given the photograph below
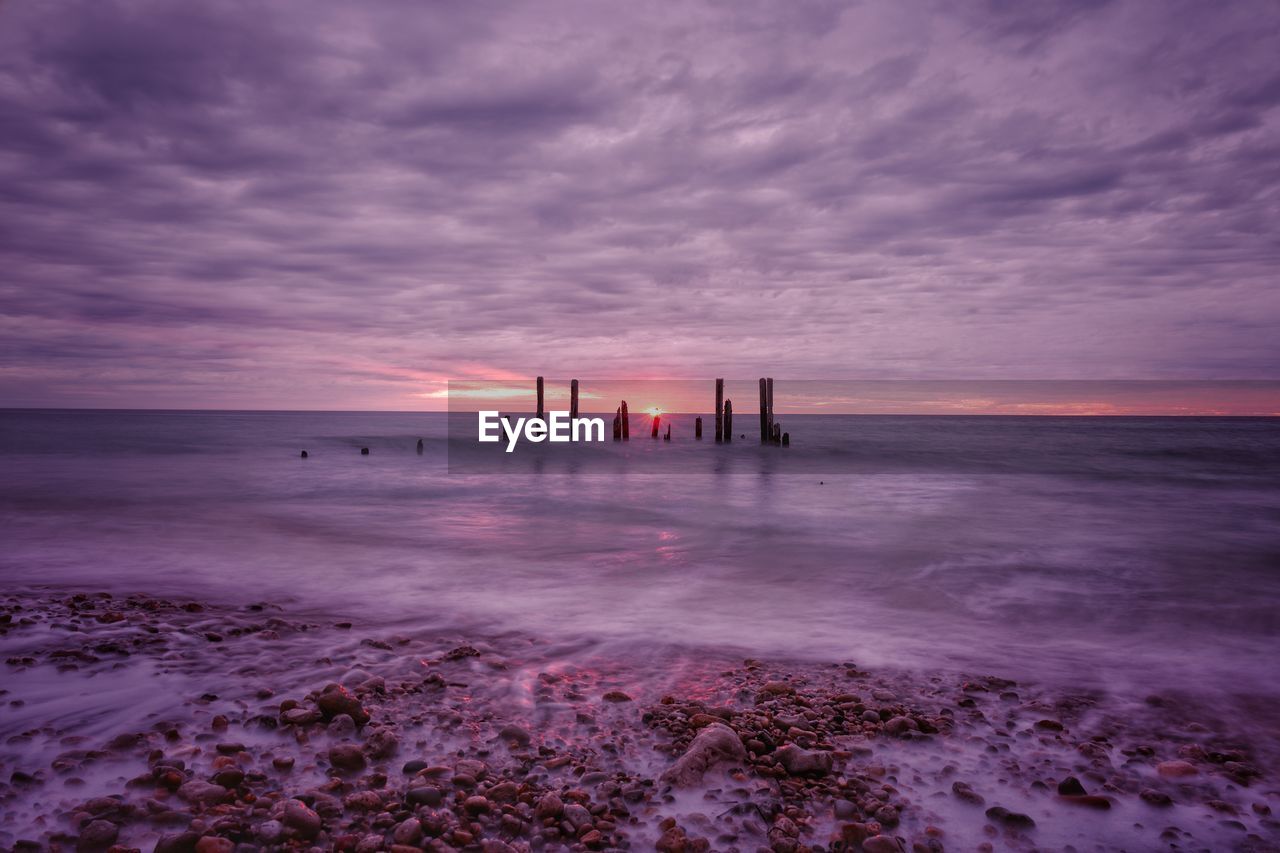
x,y
542,414
419,447
656,420
573,400
786,439
769,406
617,425
626,423
719,410
764,412
364,451
728,420
777,434
697,428
304,454
667,435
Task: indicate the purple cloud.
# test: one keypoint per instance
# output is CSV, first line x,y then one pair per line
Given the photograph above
x,y
320,204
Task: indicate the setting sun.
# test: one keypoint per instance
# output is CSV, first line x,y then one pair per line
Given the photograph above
x,y
654,410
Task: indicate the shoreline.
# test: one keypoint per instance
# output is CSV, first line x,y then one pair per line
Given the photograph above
x,y
199,726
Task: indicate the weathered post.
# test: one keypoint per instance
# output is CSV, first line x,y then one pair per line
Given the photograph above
x,y
786,439
542,415
304,454
719,410
777,434
769,394
617,425
656,420
728,420
419,447
364,451
697,428
667,435
626,423
764,412
573,400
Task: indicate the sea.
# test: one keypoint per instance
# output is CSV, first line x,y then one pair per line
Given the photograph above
x,y
1136,554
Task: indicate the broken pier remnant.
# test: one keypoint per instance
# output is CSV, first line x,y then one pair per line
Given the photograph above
x,y
719,410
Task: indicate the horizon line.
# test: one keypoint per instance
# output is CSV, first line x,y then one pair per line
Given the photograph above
x,y
645,414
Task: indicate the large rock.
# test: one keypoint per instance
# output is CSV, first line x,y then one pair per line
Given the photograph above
x,y
802,762
97,835
346,757
882,844
297,816
205,793
336,699
549,806
713,744
1176,769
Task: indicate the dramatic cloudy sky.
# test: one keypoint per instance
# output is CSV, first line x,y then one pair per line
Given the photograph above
x,y
338,205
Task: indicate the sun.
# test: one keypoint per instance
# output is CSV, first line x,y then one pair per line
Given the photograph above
x,y
654,411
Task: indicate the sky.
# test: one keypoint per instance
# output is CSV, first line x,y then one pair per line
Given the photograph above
x,y
332,205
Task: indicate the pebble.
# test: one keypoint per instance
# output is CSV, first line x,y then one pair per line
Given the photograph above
x,y
1176,769
882,844
214,844
550,806
347,756
365,801
504,792
1071,786
336,699
898,726
231,777
1093,801
1013,820
342,726
516,735
301,716
472,768
424,796
205,793
577,815
382,744
800,762
1155,798
98,835
184,842
270,831
408,832
298,817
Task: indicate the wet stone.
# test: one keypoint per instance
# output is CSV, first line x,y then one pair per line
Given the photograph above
x,y
347,757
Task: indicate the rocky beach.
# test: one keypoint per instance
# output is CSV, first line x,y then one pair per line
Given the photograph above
x,y
136,722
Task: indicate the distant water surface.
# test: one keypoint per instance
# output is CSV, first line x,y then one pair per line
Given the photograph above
x,y
1138,553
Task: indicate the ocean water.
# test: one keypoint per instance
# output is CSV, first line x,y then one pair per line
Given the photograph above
x,y
1136,554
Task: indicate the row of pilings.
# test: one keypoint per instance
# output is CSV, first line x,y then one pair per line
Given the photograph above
x,y
770,429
